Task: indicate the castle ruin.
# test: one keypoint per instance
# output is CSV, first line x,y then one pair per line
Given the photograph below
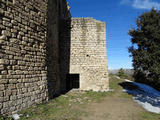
x,y
88,54
44,52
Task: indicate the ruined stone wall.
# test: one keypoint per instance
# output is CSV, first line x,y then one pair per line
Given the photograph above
x,y
23,70
29,52
38,50
88,53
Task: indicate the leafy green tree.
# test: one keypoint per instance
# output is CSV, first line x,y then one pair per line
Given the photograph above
x,y
145,49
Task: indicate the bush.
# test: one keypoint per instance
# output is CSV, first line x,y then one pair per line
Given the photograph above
x,y
145,49
121,73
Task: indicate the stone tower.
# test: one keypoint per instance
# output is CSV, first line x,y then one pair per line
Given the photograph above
x,y
43,52
88,59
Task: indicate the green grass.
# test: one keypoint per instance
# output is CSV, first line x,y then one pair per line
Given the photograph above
x,y
65,107
148,116
5,118
113,82
127,96
71,105
58,109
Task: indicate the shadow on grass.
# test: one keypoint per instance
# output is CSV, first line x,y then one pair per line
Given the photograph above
x,y
128,85
142,93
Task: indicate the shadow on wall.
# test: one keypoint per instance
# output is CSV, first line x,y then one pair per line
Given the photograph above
x,y
64,50
53,80
67,80
58,46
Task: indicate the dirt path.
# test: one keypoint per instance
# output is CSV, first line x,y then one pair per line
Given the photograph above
x,y
113,108
89,105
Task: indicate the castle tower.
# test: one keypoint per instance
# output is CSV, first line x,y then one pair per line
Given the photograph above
x,y
88,59
38,51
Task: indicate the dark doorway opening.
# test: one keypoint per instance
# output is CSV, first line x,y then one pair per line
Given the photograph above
x,y
72,81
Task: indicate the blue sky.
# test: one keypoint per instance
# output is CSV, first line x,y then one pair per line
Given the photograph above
x,y
120,16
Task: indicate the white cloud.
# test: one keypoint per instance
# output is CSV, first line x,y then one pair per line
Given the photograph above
x,y
142,4
145,4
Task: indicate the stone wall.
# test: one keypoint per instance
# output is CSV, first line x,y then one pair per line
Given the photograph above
x,y
58,27
88,53
23,71
29,52
39,52
64,44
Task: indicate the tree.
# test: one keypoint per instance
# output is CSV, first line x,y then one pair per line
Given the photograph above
x,y
121,73
145,49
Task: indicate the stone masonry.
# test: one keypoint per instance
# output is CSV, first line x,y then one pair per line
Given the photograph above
x,y
29,51
88,53
40,46
23,79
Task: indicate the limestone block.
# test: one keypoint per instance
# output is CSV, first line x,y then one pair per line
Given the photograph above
x,y
3,81
12,81
14,23
4,72
13,98
3,37
11,86
2,87
5,104
1,67
6,33
1,93
1,11
1,105
7,92
1,99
